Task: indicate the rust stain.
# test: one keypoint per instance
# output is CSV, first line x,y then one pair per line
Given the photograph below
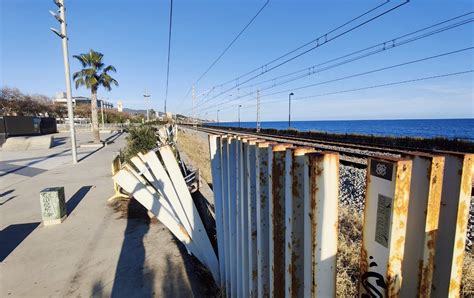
x,y
278,220
434,194
427,266
398,230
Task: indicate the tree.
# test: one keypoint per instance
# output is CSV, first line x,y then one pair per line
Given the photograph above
x,y
93,75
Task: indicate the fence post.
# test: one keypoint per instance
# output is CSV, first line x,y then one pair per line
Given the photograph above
x,y
244,214
216,163
321,195
277,219
238,210
452,228
232,216
225,214
422,225
294,202
263,239
252,217
385,219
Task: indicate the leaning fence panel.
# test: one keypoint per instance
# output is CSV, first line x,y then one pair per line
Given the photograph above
x,y
225,211
216,169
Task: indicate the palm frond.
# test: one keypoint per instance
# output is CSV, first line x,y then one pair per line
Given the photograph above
x,y
110,68
79,82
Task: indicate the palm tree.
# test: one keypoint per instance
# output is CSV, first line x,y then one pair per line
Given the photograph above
x,y
93,75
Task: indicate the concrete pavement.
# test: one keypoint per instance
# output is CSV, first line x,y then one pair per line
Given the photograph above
x,y
96,251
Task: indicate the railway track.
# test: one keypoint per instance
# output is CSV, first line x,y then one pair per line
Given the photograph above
x,y
350,154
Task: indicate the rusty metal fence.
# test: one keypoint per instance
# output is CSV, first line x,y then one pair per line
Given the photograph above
x,y
276,212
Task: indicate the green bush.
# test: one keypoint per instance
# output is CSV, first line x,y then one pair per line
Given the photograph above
x,y
140,139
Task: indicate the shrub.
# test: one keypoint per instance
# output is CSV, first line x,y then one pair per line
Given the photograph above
x,y
140,139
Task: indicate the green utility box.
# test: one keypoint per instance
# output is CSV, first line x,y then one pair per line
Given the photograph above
x,y
53,205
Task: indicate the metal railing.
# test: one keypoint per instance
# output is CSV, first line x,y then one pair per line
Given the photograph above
x,y
276,211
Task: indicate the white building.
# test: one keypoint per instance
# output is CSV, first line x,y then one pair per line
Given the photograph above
x,y
61,98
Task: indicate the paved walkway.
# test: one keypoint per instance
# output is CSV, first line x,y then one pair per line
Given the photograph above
x,y
95,251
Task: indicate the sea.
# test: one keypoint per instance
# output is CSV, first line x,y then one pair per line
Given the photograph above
x,y
426,128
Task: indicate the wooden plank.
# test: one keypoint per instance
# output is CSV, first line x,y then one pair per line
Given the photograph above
x,y
422,225
294,217
199,235
385,220
321,191
215,149
277,220
452,228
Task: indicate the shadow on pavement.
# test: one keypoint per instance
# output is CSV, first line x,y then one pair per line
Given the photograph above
x,y
12,236
76,198
132,279
200,279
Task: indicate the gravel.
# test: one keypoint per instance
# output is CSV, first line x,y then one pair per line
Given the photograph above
x,y
352,194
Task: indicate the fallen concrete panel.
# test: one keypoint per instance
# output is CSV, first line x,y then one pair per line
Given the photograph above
x,y
148,198
199,235
216,167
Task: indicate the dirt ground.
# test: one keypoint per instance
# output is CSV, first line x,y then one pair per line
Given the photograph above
x,y
195,145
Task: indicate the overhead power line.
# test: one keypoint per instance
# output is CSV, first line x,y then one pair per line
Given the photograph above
x,y
228,47
387,45
169,53
374,86
322,40
359,74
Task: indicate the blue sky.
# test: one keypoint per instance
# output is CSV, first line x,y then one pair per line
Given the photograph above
x,y
133,35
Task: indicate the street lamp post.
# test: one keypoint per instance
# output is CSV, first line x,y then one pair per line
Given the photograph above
x,y
147,110
289,108
239,114
63,35
218,116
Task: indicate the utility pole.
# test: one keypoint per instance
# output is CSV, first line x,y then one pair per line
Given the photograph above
x,y
194,99
147,101
67,74
258,110
289,109
239,114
